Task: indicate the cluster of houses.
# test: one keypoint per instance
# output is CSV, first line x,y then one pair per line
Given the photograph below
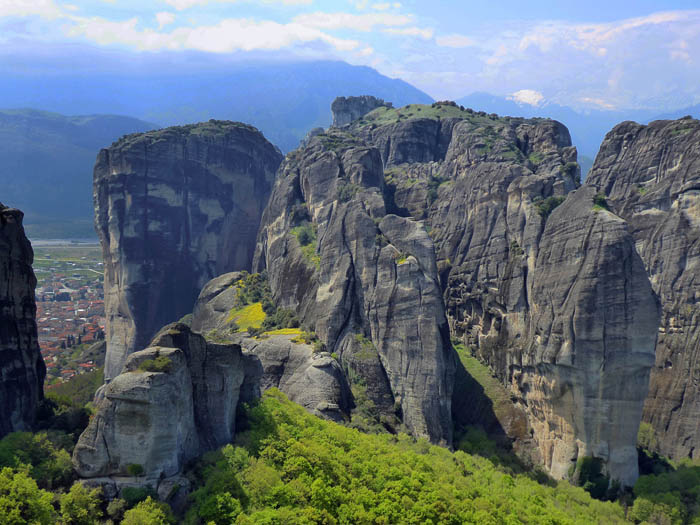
x,y
68,316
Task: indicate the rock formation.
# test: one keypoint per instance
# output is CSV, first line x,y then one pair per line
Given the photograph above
x,y
386,235
22,369
543,319
313,379
364,280
650,176
174,208
172,402
346,110
583,369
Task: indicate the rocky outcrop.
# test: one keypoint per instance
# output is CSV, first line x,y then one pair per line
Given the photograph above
x,y
174,208
364,280
650,176
22,369
347,109
313,379
542,294
172,402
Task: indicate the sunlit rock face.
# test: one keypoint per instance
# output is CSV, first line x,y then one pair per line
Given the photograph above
x,y
367,284
173,209
545,286
583,370
650,176
22,369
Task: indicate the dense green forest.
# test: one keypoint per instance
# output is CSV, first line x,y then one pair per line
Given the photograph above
x,y
290,467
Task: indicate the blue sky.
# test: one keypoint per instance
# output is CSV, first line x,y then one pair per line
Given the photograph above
x,y
587,54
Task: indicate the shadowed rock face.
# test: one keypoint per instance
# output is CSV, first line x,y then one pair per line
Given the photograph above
x,y
368,286
174,208
650,176
22,369
556,302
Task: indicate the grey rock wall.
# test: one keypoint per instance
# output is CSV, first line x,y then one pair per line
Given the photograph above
x,y
173,209
650,176
22,369
347,109
160,419
368,284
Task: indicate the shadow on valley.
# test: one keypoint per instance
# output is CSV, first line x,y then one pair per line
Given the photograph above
x,y
480,408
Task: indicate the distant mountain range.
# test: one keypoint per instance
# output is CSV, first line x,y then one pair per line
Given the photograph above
x,y
46,168
283,100
48,158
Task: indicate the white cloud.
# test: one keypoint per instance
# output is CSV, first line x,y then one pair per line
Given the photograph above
x,y
232,34
384,6
43,8
597,102
164,18
188,4
527,96
363,22
455,40
424,33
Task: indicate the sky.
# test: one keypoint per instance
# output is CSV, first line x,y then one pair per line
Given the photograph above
x,y
614,54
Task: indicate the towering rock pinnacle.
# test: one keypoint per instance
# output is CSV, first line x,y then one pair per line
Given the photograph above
x,y
364,280
584,368
650,176
173,209
22,369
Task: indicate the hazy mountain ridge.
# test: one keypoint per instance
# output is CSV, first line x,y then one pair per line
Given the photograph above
x,y
47,164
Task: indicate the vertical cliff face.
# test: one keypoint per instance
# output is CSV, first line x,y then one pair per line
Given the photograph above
x,y
22,369
174,208
364,280
650,176
543,286
583,370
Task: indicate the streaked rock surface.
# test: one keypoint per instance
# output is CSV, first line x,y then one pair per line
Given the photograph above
x,y
650,176
173,209
22,369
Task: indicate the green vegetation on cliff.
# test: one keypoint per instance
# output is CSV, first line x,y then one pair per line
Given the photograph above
x,y
291,467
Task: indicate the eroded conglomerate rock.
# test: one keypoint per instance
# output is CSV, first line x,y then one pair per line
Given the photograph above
x,y
314,380
22,368
650,176
172,402
519,287
174,208
365,281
